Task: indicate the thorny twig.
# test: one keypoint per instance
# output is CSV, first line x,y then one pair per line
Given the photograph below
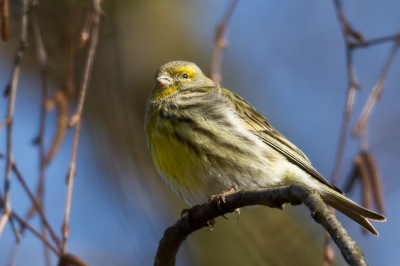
x,y
220,43
77,118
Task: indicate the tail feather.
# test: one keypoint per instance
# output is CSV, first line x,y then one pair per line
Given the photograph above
x,y
354,211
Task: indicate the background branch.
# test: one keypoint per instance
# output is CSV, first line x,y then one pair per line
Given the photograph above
x,y
220,43
11,93
77,119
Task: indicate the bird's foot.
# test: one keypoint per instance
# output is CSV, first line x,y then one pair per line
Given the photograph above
x,y
238,214
220,197
212,221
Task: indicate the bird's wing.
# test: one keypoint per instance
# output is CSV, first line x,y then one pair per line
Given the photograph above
x,y
257,123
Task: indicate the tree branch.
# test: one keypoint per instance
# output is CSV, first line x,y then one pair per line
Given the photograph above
x,y
272,197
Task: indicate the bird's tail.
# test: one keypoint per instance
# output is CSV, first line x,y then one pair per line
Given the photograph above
x,y
354,211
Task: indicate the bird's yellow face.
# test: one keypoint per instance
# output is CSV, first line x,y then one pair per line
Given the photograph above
x,y
178,75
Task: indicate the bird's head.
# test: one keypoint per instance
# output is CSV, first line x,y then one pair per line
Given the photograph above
x,y
177,76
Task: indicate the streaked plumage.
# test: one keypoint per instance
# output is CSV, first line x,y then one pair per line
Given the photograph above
x,y
204,139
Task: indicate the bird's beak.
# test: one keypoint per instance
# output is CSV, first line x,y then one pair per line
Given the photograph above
x,y
164,81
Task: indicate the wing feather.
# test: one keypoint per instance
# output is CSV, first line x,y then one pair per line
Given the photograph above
x,y
257,123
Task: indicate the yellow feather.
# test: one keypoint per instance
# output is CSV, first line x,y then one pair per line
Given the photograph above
x,y
173,158
160,94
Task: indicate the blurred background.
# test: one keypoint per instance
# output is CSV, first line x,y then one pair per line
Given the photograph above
x,y
287,58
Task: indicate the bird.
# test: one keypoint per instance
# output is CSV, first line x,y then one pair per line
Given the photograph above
x,y
205,139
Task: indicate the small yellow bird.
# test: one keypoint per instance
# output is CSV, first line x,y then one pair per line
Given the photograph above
x,y
204,139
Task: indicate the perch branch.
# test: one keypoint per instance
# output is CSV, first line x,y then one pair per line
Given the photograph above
x,y
272,197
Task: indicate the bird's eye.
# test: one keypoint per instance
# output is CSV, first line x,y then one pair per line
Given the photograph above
x,y
185,76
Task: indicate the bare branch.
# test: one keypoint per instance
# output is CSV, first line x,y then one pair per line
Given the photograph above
x,y
354,40
39,235
5,19
375,93
380,40
272,197
5,122
10,111
36,204
347,32
77,118
220,43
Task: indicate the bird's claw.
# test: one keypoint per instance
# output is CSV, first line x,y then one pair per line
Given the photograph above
x,y
238,214
220,197
212,223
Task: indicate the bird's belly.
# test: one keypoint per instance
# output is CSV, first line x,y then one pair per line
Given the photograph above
x,y
195,175
180,167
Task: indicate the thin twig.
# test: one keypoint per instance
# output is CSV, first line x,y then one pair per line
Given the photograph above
x,y
353,41
77,118
351,179
85,35
329,253
42,59
351,88
220,43
5,122
376,92
10,111
5,19
39,235
36,204
380,40
69,84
